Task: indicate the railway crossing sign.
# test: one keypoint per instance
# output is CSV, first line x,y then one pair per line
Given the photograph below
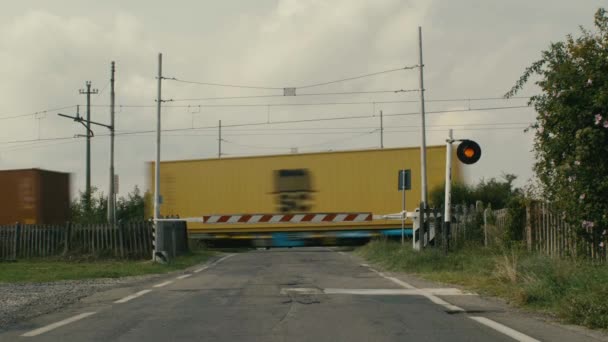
x,y
405,180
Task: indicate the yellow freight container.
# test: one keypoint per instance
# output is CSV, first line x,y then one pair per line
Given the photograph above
x,y
345,181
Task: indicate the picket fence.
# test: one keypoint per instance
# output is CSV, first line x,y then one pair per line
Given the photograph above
x,y
126,240
547,232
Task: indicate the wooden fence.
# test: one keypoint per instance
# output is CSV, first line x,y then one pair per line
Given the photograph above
x,y
462,227
127,240
548,233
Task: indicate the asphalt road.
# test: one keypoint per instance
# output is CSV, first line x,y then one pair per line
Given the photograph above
x,y
314,294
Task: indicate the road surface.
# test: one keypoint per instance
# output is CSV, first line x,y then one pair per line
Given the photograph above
x,y
314,294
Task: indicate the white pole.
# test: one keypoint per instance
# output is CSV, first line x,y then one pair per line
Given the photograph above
x,y
448,186
158,240
403,214
423,192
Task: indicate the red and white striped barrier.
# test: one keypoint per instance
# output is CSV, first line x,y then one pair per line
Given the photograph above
x,y
277,218
288,218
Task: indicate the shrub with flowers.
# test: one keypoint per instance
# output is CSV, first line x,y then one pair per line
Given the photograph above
x,y
571,138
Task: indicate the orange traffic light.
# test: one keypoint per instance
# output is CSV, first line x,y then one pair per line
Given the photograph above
x,y
468,152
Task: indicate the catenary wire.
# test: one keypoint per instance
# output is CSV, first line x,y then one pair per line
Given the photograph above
x,y
13,116
281,88
312,104
273,123
304,94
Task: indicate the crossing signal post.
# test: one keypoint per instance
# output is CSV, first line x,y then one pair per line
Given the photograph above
x,y
404,183
468,152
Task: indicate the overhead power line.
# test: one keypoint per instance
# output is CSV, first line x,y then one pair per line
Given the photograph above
x,y
44,111
227,85
314,103
273,123
356,77
304,94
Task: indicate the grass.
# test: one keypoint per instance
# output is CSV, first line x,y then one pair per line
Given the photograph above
x,y
572,290
54,269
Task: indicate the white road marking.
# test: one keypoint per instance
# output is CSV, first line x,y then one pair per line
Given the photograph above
x,y
373,292
504,329
184,276
365,265
163,284
428,295
222,259
379,292
442,302
301,290
56,325
400,282
200,269
207,266
133,296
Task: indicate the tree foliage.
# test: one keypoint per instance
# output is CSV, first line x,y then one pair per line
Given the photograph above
x,y
496,192
129,208
571,129
96,213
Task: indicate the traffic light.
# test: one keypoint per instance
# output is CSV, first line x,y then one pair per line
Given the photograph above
x,y
468,152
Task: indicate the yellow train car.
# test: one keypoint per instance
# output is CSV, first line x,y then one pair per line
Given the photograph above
x,y
326,182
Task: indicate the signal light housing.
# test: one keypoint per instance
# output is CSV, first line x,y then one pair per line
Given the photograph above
x,y
468,152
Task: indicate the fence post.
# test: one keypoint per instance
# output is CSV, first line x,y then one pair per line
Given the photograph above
x,y
16,240
174,239
485,227
121,228
68,237
529,226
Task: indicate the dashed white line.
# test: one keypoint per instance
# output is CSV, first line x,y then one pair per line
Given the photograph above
x,y
200,269
56,325
66,321
163,284
133,296
504,329
222,259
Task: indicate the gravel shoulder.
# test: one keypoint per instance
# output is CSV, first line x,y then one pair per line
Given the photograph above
x,y
22,301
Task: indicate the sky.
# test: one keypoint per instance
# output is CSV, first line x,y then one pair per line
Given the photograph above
x,y
472,50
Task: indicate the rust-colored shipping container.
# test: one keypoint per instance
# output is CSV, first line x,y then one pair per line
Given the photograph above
x,y
34,196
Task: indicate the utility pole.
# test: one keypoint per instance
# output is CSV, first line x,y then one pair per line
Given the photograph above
x,y
111,192
158,247
88,92
381,131
423,192
219,141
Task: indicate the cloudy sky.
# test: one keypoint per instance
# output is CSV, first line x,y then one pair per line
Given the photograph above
x,y
472,50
